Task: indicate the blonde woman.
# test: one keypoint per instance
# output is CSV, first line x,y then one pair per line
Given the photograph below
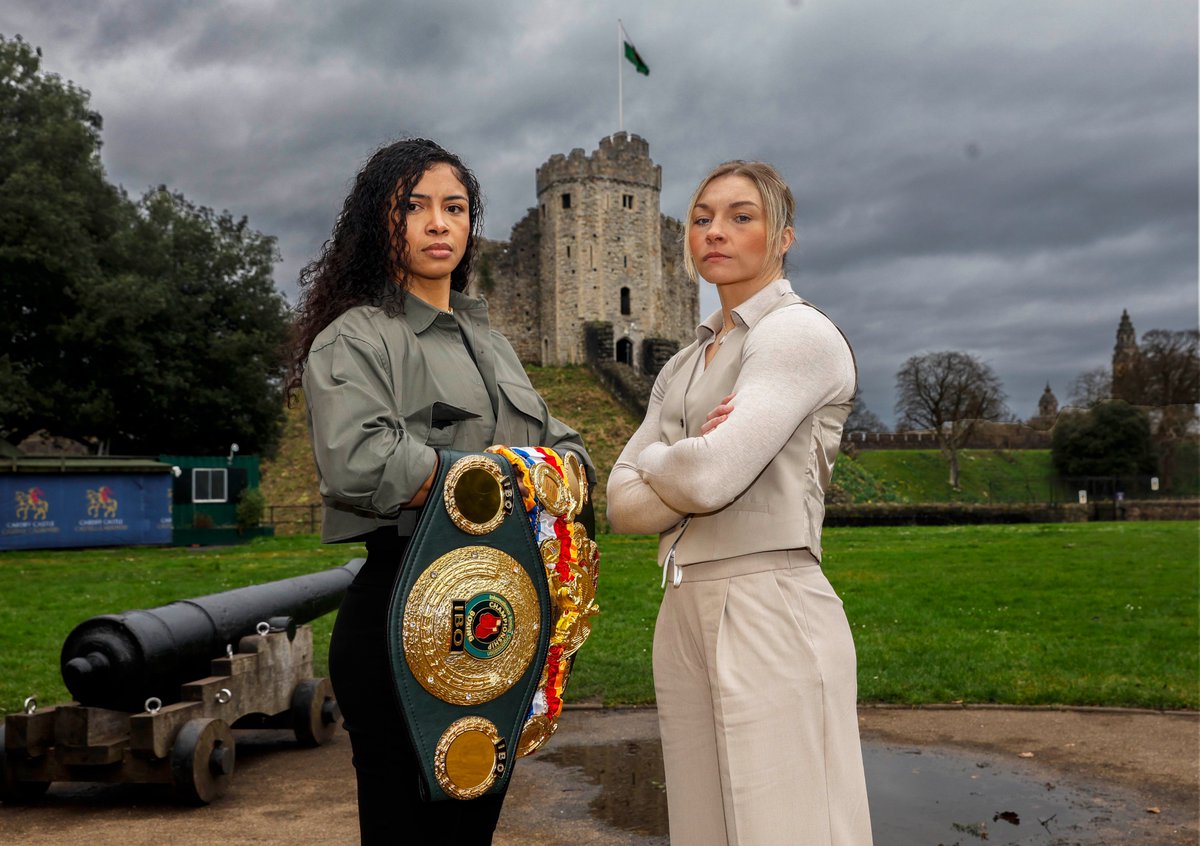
x,y
754,665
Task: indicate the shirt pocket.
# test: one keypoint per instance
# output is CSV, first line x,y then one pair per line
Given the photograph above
x,y
524,426
435,424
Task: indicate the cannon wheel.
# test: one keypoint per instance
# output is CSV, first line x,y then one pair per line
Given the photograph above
x,y
12,790
202,760
314,712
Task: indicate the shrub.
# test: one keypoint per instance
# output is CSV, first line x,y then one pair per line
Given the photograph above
x,y
1112,439
250,508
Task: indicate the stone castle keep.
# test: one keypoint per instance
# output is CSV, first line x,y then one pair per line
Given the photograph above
x,y
595,267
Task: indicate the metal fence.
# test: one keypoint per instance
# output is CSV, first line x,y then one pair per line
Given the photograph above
x,y
1112,497
294,519
1114,488
1087,489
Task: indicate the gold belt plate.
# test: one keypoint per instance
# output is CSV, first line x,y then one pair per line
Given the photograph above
x,y
433,627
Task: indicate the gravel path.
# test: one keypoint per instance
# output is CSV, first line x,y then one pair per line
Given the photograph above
x,y
1131,761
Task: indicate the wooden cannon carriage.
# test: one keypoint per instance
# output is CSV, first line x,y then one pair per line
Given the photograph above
x,y
179,734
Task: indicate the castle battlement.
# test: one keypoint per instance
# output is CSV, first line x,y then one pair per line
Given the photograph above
x,y
621,157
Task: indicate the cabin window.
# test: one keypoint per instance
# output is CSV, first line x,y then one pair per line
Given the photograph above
x,y
210,484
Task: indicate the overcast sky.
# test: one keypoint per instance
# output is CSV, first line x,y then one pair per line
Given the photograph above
x,y
996,177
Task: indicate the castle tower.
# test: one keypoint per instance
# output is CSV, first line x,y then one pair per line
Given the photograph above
x,y
1124,361
595,250
601,243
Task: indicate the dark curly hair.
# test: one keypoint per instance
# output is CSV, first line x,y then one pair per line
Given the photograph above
x,y
365,262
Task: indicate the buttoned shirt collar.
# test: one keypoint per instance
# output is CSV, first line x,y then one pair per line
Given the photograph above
x,y
421,315
748,313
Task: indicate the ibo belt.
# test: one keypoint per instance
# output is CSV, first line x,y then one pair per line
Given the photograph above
x,y
473,622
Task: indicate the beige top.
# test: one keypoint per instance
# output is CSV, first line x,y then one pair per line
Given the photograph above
x,y
385,392
757,481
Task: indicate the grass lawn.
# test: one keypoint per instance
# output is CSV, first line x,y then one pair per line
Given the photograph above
x,y
1081,614
44,594
1096,614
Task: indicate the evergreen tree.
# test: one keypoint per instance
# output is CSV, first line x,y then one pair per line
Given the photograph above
x,y
183,348
57,216
145,327
1111,439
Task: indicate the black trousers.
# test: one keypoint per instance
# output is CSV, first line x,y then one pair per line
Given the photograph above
x,y
390,808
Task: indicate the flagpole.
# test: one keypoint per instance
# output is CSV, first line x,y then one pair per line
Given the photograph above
x,y
620,92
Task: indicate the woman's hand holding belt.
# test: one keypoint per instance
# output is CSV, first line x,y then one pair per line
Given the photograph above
x,y
422,494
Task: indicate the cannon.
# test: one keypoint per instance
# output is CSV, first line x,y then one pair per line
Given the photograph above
x,y
120,660
159,691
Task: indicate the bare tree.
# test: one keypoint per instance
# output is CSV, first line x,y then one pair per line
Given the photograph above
x,y
862,419
1090,388
948,393
1169,367
1168,370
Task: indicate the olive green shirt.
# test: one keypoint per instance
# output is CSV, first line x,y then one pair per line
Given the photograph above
x,y
384,392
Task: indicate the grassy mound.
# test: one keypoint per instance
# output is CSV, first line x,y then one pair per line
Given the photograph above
x,y
923,476
573,394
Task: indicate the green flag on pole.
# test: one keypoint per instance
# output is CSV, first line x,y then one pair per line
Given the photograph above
x,y
633,56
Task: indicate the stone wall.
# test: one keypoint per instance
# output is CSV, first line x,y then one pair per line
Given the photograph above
x,y
889,440
598,341
506,275
681,303
987,436
950,513
1159,509
655,353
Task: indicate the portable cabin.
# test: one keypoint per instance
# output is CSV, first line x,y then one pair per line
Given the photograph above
x,y
206,491
49,502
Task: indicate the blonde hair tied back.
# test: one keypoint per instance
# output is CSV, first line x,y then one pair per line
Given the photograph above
x,y
778,204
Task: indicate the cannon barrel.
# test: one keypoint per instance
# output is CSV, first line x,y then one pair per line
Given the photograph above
x,y
120,660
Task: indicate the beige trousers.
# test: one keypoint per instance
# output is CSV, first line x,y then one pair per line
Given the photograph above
x,y
754,672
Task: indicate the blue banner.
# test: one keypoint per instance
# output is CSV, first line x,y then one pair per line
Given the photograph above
x,y
41,511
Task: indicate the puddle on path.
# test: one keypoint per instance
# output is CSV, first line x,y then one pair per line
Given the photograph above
x,y
919,797
923,796
632,796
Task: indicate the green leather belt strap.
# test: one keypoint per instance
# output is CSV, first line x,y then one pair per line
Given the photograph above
x,y
469,627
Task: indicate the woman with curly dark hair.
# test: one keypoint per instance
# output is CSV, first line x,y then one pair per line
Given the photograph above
x,y
396,362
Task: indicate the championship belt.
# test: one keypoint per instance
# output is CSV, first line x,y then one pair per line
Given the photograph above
x,y
493,598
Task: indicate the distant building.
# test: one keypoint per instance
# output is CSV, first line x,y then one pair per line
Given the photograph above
x,y
1162,382
1047,410
595,255
205,495
1125,361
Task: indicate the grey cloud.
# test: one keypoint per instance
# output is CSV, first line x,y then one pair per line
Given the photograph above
x,y
1002,178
